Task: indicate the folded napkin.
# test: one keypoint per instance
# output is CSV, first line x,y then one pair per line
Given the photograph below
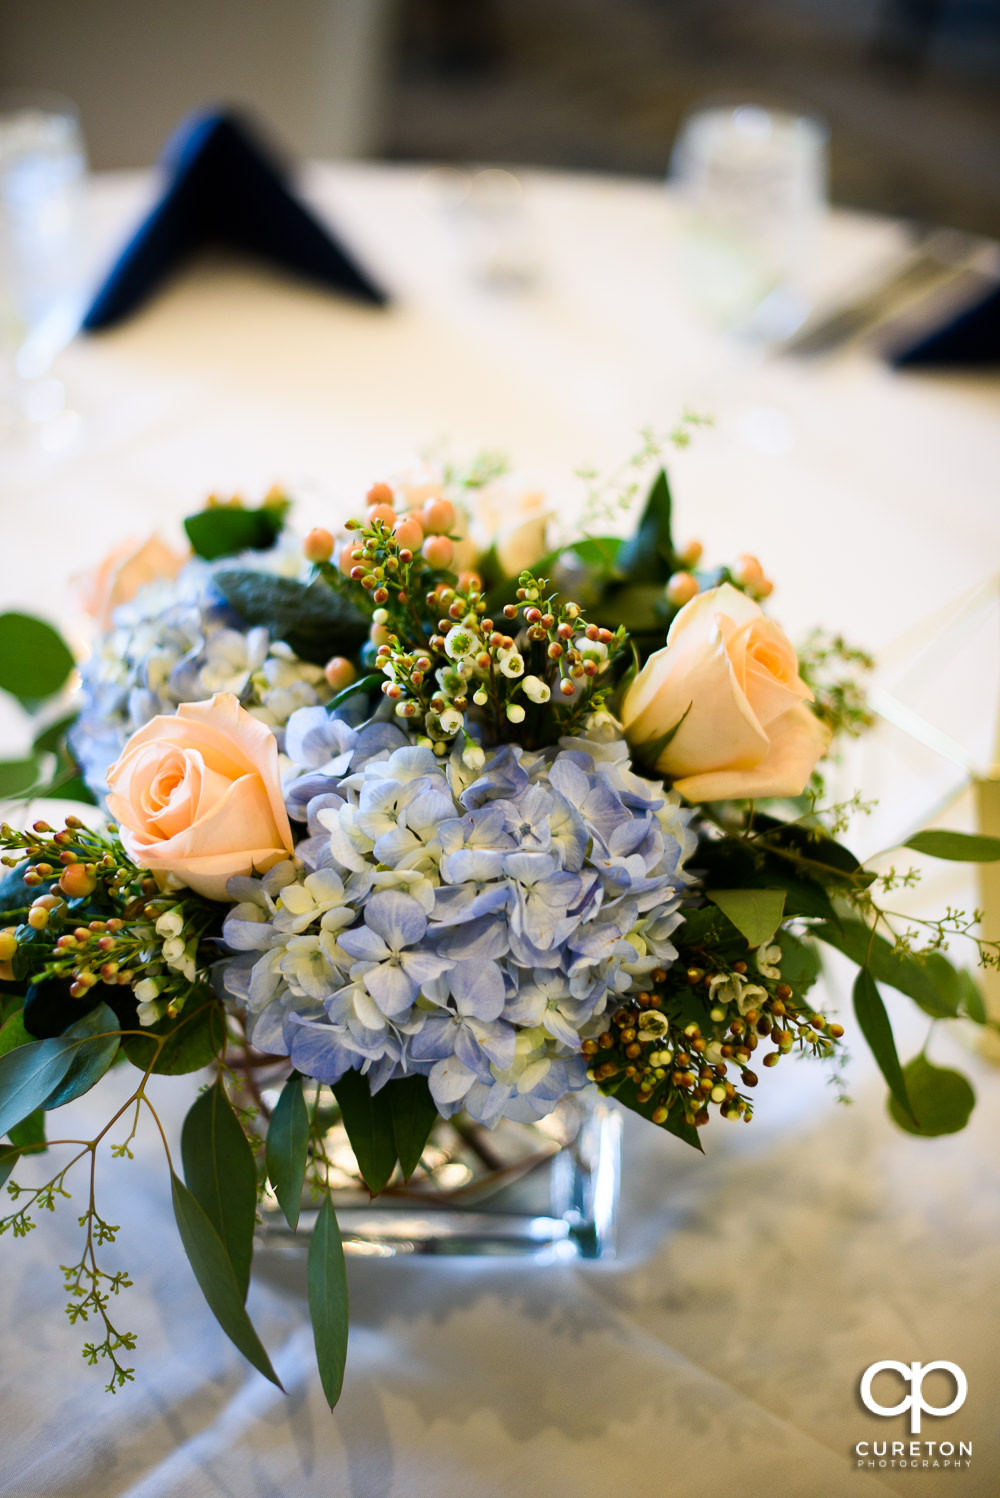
x,y
224,187
970,339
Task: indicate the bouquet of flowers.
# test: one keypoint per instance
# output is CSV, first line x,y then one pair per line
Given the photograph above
x,y
435,819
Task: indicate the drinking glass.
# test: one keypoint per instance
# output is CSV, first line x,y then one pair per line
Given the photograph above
x,y
42,165
752,183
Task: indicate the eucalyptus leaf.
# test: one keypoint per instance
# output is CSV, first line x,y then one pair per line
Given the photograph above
x,y
328,1303
14,1034
958,847
313,619
287,1149
17,776
191,1041
9,1156
98,1036
215,1275
875,1027
226,530
368,1121
34,658
942,1099
414,1114
29,1074
756,913
30,1132
219,1172
908,974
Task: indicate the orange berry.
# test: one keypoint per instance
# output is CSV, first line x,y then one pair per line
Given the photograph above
x,y
380,494
438,516
75,881
748,571
681,588
409,534
339,672
383,512
438,551
318,545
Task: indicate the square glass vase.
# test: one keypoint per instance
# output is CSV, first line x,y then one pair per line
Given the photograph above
x,y
547,1190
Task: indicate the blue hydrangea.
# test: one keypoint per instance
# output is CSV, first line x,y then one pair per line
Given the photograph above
x,y
179,641
469,925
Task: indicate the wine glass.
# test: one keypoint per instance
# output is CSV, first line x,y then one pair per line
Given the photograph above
x,y
42,166
752,183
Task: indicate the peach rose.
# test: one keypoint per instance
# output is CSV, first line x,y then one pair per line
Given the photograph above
x,y
123,572
198,796
516,524
732,676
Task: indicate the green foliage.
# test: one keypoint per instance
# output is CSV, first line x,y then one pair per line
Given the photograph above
x,y
34,658
648,556
710,930
918,979
29,1132
756,913
368,1120
942,1099
190,1041
219,1172
875,1027
214,1272
328,1301
17,776
14,1034
414,1114
313,619
98,1033
287,1149
9,1156
958,847
29,1074
625,1091
226,530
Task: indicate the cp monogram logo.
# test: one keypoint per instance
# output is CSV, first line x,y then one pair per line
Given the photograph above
x,y
913,1374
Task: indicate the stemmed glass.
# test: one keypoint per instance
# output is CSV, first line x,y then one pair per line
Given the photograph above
x,y
42,165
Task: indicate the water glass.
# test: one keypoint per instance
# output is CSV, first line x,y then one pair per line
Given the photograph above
x,y
42,165
752,184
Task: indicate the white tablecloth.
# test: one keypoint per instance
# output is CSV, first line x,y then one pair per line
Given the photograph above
x,y
722,1350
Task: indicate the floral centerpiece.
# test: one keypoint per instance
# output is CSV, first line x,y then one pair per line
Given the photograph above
x,y
433,820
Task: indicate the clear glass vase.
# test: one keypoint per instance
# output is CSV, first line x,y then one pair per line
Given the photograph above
x,y
548,1190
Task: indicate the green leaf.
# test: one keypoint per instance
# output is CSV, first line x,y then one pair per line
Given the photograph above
x,y
970,998
624,1090
193,1040
368,1121
50,740
327,1279
226,530
414,1114
287,1150
29,1074
97,1035
219,1172
908,974
710,928
310,617
800,964
876,1029
648,556
214,1272
738,863
9,1156
756,913
17,775
34,658
959,847
811,851
30,1131
942,1099
13,1034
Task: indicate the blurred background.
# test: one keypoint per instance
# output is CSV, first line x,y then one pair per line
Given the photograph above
x,y
908,88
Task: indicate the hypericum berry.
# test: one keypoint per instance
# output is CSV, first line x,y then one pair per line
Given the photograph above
x,y
681,588
318,545
77,880
408,534
339,672
438,551
380,494
383,512
438,517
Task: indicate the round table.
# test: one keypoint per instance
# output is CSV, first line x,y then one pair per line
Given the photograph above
x,y
723,1349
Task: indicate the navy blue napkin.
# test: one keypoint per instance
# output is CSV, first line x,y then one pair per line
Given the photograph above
x,y
969,340
224,187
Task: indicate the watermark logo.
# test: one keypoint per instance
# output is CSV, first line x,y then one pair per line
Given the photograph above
x,y
913,1374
